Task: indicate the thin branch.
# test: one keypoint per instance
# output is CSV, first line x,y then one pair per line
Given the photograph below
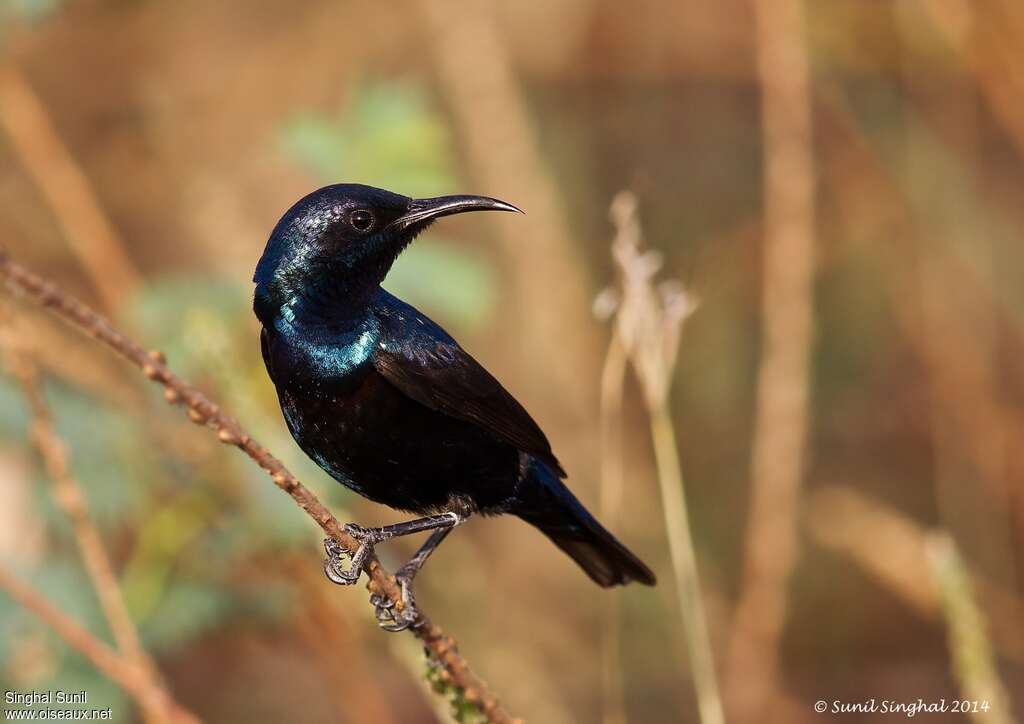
x,y
202,411
125,673
66,189
780,427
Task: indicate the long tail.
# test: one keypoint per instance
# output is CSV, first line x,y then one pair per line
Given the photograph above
x,y
545,502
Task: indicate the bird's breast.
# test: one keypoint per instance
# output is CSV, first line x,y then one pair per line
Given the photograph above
x,y
328,356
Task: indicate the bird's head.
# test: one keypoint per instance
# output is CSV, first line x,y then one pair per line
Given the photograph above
x,y
339,242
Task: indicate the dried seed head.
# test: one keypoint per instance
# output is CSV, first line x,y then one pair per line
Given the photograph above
x,y
606,303
648,316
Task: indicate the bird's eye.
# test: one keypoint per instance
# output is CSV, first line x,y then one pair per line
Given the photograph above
x,y
361,219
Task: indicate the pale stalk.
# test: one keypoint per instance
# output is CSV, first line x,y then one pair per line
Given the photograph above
x,y
613,375
684,564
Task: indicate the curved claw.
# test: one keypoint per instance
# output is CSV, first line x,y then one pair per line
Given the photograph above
x,y
382,606
336,574
334,567
394,621
397,627
399,622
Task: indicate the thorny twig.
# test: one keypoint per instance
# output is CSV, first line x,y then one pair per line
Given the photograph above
x,y
440,647
154,699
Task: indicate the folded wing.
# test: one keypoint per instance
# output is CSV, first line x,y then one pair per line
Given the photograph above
x,y
427,365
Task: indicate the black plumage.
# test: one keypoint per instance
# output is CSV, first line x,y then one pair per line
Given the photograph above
x,y
386,402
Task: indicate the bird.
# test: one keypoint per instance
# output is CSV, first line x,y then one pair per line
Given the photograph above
x,y
387,403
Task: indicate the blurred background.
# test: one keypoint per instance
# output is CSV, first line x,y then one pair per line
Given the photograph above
x,y
837,192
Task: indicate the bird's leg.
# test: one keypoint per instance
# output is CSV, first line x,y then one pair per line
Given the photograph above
x,y
387,617
376,535
369,537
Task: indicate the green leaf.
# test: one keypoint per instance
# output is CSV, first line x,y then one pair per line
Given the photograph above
x,y
387,136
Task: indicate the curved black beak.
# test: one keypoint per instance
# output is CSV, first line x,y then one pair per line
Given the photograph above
x,y
421,210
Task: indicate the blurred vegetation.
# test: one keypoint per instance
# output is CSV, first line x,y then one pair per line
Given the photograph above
x,y
198,124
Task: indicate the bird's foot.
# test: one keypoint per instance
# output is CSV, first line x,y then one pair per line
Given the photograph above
x,y
334,567
334,564
388,616
391,615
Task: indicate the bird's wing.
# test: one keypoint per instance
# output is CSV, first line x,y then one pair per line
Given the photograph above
x,y
420,359
265,349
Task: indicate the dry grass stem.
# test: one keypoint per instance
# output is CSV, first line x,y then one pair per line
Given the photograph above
x,y
648,320
969,645
684,566
783,383
613,375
